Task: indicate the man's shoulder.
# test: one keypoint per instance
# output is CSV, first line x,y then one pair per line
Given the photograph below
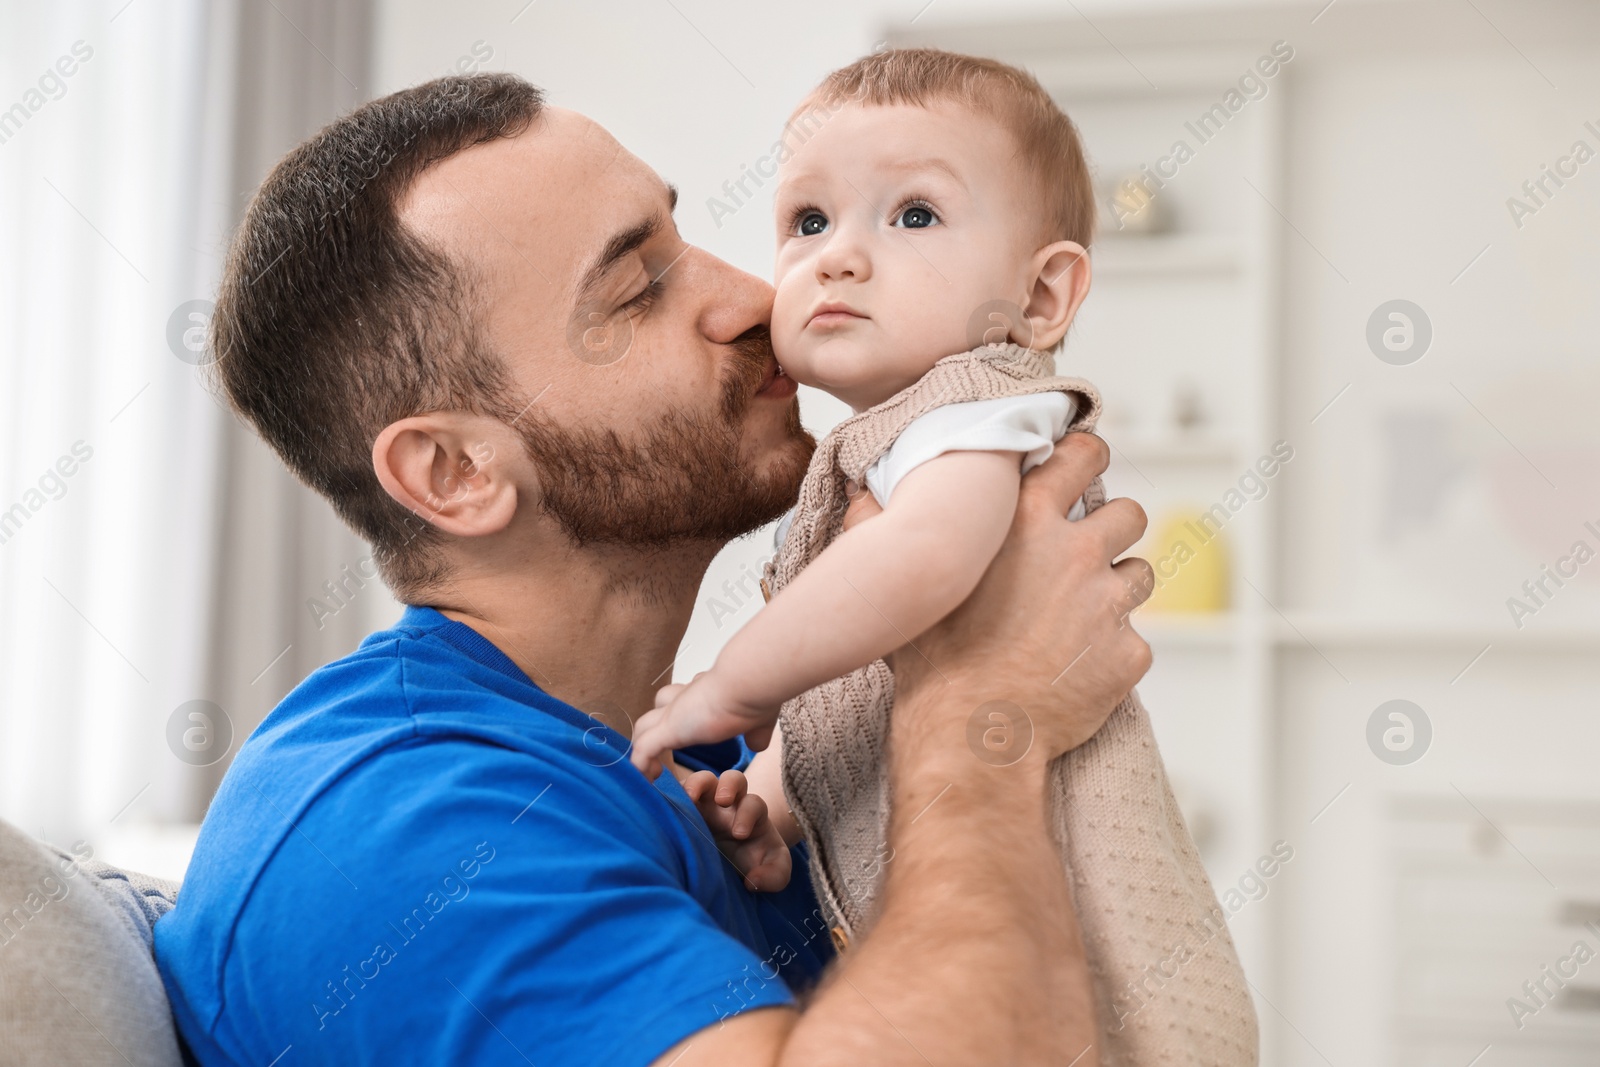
x,y
536,869
405,743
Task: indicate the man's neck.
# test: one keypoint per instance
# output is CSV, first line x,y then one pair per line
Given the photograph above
x,y
597,628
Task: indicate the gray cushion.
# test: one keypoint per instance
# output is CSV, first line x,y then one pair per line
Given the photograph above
x,y
78,983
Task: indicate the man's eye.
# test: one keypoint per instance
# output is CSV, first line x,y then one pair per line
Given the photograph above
x,y
811,223
646,297
916,217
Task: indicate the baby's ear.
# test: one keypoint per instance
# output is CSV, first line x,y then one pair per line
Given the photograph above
x,y
1060,275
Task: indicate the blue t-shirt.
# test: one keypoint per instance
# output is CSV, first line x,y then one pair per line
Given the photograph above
x,y
421,857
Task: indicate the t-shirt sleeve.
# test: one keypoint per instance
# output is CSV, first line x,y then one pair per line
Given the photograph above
x,y
1029,425
524,910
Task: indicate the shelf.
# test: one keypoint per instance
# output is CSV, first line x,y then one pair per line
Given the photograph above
x,y
1302,630
1359,631
1167,254
1185,630
1172,448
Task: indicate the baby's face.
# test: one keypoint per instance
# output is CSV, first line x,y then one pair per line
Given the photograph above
x,y
895,225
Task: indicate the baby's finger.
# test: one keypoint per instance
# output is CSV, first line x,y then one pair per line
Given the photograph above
x,y
747,816
646,746
667,694
697,784
765,865
731,788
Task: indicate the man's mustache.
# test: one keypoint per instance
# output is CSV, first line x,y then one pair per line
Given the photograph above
x,y
747,368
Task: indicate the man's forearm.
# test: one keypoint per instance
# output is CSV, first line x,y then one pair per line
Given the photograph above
x,y
977,956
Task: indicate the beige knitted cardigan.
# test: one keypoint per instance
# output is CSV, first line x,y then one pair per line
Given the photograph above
x,y
1168,987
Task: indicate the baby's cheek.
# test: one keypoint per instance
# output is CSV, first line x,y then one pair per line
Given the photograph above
x,y
787,331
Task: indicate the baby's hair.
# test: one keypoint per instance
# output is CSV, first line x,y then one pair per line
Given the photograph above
x,y
1048,145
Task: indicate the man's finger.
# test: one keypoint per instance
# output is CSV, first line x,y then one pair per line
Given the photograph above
x,y
759,738
1077,460
1122,523
1138,577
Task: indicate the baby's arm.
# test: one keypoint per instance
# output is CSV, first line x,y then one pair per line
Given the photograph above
x,y
880,584
877,587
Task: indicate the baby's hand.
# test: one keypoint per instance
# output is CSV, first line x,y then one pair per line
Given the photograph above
x,y
742,829
699,713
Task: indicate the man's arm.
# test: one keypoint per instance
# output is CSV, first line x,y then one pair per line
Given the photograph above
x,y
977,956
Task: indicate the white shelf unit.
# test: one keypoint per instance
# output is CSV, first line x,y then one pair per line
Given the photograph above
x,y
1404,123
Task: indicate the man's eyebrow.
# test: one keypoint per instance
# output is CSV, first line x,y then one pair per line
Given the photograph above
x,y
621,245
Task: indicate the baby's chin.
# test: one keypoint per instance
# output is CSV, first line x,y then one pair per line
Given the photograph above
x,y
857,370
828,363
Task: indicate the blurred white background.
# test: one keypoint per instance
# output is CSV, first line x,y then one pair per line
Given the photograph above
x,y
1423,467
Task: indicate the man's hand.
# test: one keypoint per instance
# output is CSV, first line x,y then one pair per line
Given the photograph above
x,y
742,828
1024,636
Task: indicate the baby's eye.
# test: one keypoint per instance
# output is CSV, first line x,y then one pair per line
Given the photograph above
x,y
811,223
916,217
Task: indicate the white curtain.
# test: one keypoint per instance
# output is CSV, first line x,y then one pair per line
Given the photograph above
x,y
151,553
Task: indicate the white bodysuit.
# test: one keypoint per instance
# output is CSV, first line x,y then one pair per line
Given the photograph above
x,y
1029,424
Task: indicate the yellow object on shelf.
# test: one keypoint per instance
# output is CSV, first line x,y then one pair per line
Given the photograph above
x,y
1190,558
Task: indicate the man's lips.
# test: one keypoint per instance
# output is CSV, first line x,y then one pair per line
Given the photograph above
x,y
777,384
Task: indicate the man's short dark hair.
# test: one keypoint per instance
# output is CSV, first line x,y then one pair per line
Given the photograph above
x,y
333,320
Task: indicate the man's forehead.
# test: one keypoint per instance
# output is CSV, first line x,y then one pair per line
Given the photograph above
x,y
545,196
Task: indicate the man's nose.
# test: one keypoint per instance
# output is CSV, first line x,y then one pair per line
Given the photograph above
x,y
733,302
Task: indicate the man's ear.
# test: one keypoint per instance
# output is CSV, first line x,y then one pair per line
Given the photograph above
x,y
1059,276
446,468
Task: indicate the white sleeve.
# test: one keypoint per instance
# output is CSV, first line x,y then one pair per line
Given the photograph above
x,y
1029,424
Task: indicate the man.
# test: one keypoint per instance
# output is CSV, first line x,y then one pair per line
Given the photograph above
x,y
468,320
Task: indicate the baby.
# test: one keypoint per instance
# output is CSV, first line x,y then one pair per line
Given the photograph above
x,y
932,215
900,234
897,225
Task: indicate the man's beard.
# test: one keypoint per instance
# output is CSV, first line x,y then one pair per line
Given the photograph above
x,y
679,479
